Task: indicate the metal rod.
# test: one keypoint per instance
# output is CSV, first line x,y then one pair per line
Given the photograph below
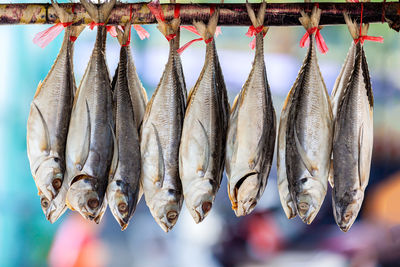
x,y
277,14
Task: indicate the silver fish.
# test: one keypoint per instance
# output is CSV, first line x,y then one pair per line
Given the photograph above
x,y
353,138
123,188
251,132
90,138
160,138
48,121
309,133
202,150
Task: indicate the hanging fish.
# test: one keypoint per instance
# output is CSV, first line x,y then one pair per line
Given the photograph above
x,y
308,131
48,121
353,134
252,130
202,150
161,134
90,138
123,188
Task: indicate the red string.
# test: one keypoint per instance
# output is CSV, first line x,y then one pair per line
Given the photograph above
x,y
322,47
212,9
177,11
362,38
156,10
73,8
141,32
94,24
73,38
253,31
43,38
130,18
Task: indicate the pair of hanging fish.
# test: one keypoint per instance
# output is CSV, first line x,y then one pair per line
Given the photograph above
x,y
83,145
308,128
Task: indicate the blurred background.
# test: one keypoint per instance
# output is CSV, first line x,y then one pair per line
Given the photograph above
x,y
264,238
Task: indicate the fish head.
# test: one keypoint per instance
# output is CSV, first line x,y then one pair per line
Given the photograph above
x,y
83,196
346,210
49,177
57,206
246,194
122,201
165,206
199,198
309,197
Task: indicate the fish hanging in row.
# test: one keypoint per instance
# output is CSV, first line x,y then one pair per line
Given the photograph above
x,y
123,190
161,133
91,138
49,119
252,130
305,135
202,149
353,102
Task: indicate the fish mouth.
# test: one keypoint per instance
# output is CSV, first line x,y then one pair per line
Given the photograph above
x,y
55,212
200,212
245,193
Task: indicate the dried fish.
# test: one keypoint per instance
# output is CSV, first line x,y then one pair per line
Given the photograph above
x,y
202,150
48,122
90,137
161,135
308,132
353,136
123,188
251,132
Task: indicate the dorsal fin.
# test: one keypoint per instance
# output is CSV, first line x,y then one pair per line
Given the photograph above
x,y
47,143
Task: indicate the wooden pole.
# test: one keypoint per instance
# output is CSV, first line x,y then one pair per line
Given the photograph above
x,y
277,14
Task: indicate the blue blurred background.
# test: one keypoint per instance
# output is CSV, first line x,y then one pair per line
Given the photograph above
x,y
264,238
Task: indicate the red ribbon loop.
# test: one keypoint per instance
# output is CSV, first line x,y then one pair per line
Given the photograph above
x,y
141,32
43,38
156,10
366,37
177,11
322,47
94,24
253,31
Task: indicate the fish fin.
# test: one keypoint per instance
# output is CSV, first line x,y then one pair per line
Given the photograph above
x,y
212,23
62,14
161,167
251,14
47,143
115,159
105,9
91,10
363,176
303,155
261,13
206,153
86,144
123,35
39,87
330,175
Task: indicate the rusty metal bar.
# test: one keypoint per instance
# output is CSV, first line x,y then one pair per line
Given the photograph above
x,y
277,14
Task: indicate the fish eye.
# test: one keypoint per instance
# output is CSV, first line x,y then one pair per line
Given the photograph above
x,y
45,203
206,207
122,207
93,203
56,184
172,215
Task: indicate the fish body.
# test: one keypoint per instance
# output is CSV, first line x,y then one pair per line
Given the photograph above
x,y
48,121
353,142
90,139
160,139
123,188
202,150
251,135
309,134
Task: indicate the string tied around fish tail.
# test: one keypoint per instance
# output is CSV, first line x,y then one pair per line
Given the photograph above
x,y
253,31
322,47
362,38
43,38
156,10
194,30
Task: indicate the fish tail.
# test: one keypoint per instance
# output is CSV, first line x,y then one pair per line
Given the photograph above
x,y
208,31
99,14
123,36
62,14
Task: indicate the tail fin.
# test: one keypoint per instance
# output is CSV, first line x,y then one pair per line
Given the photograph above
x,y
354,28
312,21
207,32
99,14
123,36
62,14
